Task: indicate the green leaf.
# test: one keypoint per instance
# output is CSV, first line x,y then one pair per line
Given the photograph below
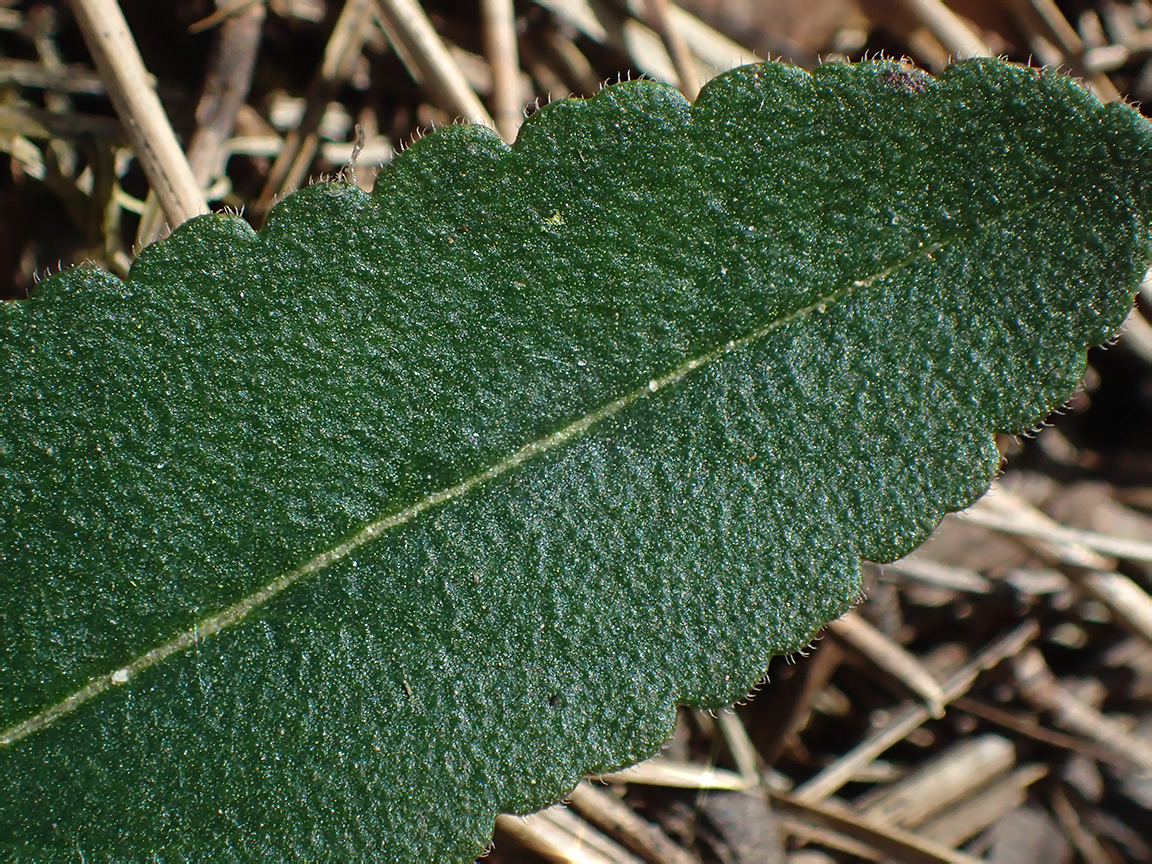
x,y
331,542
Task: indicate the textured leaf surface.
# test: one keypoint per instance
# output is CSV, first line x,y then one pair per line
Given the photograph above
x,y
332,541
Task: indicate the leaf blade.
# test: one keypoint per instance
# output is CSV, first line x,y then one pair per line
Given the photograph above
x,y
809,351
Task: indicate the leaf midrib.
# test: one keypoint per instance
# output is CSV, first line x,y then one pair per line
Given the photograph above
x,y
240,610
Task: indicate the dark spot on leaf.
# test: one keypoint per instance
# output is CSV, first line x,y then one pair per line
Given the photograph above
x,y
904,78
554,700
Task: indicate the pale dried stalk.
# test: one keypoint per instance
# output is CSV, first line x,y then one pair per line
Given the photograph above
x,y
226,88
973,815
661,771
1072,46
300,144
409,25
954,34
660,19
118,61
1039,686
891,842
500,46
940,782
911,716
711,48
1136,333
559,836
618,820
1080,550
740,746
856,633
609,26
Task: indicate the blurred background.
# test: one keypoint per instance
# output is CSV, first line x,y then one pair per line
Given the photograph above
x,y
990,700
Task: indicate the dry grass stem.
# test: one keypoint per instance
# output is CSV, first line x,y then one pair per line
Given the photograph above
x,y
227,85
340,54
409,26
503,56
991,803
889,842
617,820
1039,686
660,20
562,837
854,632
114,52
940,782
909,717
660,771
954,34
